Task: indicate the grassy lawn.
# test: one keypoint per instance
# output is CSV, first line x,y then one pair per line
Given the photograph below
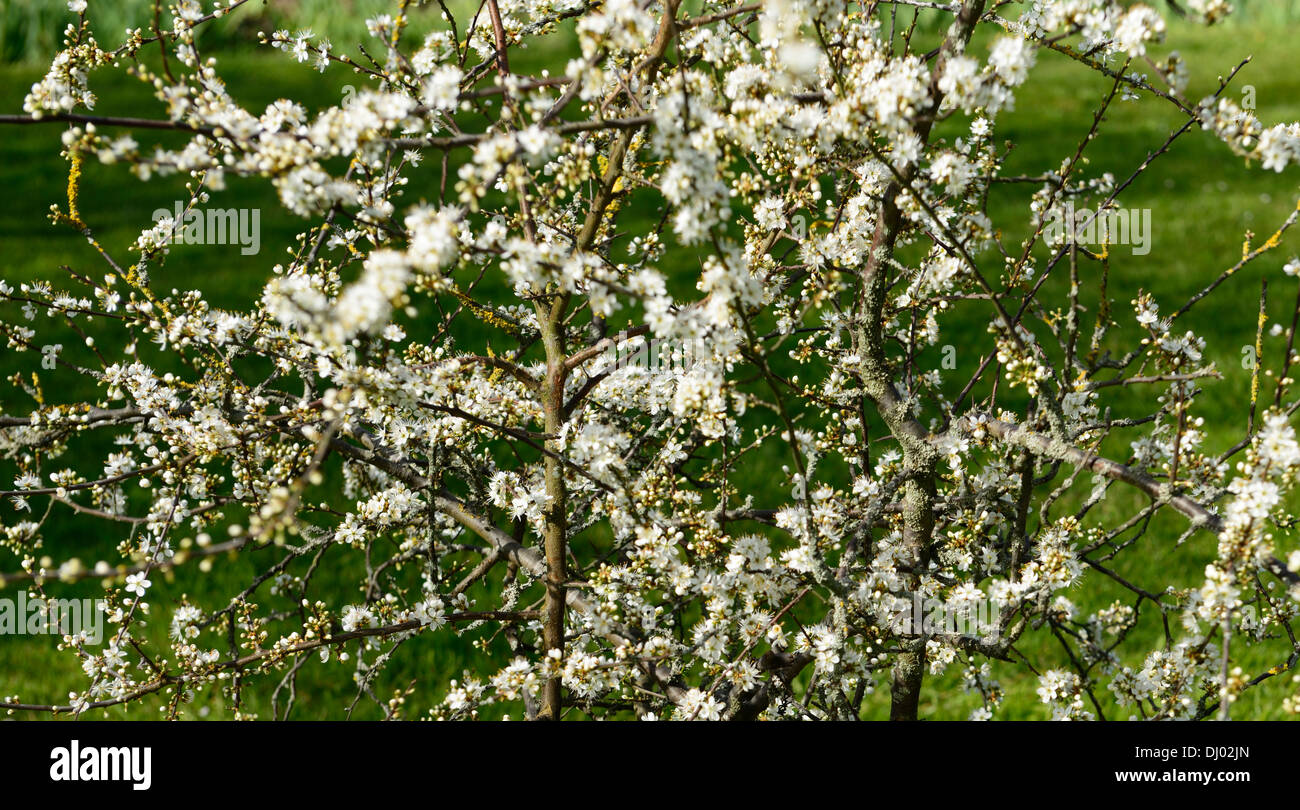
x,y
1203,202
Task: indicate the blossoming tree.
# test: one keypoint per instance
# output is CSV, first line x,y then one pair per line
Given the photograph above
x,y
791,193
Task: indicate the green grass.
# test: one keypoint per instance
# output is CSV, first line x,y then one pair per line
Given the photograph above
x,y
31,31
1203,201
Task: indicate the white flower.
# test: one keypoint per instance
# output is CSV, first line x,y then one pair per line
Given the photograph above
x,y
1011,58
136,584
697,705
431,612
769,215
1139,25
442,88
356,617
